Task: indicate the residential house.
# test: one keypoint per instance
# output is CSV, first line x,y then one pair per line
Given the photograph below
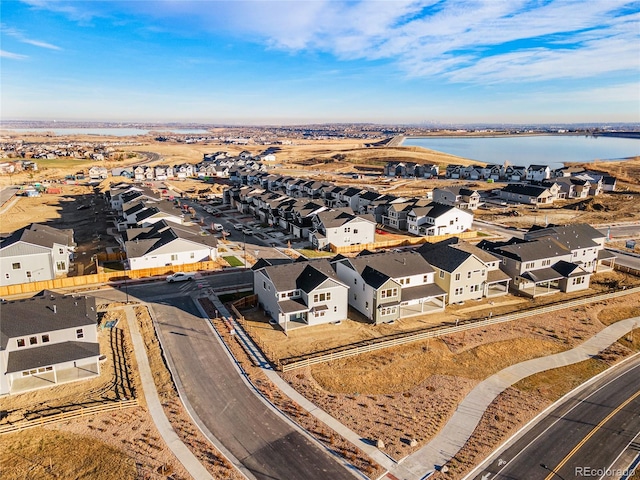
x,y
98,173
515,173
35,253
585,243
539,267
527,194
465,271
341,227
160,245
457,196
398,211
301,293
48,340
454,171
385,287
438,219
538,173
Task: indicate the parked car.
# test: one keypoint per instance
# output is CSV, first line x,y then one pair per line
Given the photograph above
x,y
181,277
238,226
247,231
218,227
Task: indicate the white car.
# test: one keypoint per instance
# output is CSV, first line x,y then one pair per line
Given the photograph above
x,y
180,277
238,226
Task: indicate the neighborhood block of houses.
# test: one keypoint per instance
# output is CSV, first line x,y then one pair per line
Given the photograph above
x,y
47,340
388,286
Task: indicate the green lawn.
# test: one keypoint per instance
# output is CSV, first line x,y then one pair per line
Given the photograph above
x,y
234,261
314,253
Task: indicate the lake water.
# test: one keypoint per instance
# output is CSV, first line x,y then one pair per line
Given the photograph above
x,y
552,150
113,132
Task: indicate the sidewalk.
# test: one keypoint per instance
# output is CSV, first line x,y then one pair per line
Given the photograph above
x,y
459,428
179,449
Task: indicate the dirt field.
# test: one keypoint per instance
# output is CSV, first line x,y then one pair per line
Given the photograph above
x,y
123,444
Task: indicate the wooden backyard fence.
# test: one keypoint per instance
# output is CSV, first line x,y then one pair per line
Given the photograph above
x,y
59,417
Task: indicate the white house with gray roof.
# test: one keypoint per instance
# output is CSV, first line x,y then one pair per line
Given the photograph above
x,y
47,340
540,266
161,245
35,253
341,227
301,293
438,219
387,286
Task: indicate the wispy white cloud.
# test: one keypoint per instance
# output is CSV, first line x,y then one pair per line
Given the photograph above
x,y
472,41
22,38
12,56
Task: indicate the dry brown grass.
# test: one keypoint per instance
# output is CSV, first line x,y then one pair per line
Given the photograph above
x,y
45,454
615,314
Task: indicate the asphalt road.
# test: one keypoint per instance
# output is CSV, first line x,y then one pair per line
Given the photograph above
x,y
584,434
627,260
267,445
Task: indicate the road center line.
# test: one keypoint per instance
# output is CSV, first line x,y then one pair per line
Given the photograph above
x,y
591,434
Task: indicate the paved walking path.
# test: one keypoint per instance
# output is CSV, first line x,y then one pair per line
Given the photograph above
x,y
179,449
459,428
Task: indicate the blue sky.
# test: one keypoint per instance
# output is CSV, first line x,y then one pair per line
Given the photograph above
x,y
292,62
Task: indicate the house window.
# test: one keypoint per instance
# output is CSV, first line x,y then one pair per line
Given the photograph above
x,y
468,274
483,272
79,333
6,275
425,278
347,229
390,292
440,274
450,222
283,295
355,230
264,285
457,277
45,338
61,251
546,263
320,313
321,297
355,281
388,310
60,265
366,305
355,297
529,265
21,342
459,290
174,257
192,255
16,266
33,340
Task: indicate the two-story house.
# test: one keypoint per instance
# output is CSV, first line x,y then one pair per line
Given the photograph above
x,y
387,286
538,267
438,219
47,340
34,253
465,271
301,293
527,194
341,227
457,196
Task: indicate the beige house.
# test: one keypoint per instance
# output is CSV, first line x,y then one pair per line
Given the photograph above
x,y
464,271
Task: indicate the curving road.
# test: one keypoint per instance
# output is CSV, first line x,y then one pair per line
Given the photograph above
x,y
264,443
582,436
